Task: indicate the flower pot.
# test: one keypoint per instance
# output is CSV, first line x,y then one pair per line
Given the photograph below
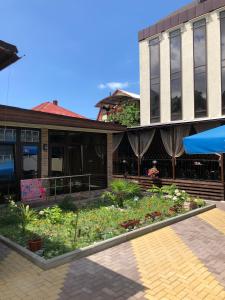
x,y
153,215
130,224
35,245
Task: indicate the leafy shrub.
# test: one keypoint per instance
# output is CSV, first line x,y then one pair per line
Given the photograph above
x,y
7,217
122,190
67,204
26,215
52,214
199,202
128,115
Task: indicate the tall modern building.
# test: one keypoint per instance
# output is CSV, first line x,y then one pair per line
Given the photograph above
x,y
182,65
182,85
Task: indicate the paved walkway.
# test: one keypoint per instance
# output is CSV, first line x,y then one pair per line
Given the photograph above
x,y
183,261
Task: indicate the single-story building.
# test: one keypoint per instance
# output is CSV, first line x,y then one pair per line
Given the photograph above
x,y
36,144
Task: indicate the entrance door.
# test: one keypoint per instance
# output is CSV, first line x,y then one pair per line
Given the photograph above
x,y
75,165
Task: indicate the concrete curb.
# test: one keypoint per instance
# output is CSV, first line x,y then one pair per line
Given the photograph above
x,y
84,252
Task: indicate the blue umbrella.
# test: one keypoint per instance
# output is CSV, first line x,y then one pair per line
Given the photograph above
x,y
208,142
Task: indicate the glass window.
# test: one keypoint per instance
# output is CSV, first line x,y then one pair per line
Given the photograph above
x,y
57,161
200,94
7,135
7,163
175,76
57,137
30,161
155,99
155,80
222,26
200,69
30,136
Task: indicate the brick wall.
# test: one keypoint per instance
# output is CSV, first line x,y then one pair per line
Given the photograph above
x,y
109,157
44,153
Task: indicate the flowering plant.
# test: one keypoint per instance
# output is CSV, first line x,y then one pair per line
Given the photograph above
x,y
153,172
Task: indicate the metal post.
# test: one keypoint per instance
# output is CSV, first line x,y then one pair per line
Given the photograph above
x,y
55,189
89,183
70,186
173,157
139,157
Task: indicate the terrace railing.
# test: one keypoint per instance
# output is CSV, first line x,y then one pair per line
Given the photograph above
x,y
194,169
44,188
198,169
67,184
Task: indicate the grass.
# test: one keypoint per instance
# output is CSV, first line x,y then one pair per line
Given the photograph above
x,y
61,235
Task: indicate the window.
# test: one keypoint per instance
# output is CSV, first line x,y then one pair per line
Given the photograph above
x,y
200,69
7,135
222,27
29,136
30,161
175,75
155,80
57,161
7,163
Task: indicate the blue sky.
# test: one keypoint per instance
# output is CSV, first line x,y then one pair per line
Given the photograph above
x,y
74,49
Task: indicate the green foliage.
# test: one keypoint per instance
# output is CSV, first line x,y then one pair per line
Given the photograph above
x,y
65,231
52,214
8,217
171,192
73,229
164,190
67,204
26,215
199,202
129,115
122,190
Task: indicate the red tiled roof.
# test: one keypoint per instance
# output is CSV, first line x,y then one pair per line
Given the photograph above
x,y
53,108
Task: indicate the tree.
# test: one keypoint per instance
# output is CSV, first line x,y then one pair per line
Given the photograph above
x,y
128,115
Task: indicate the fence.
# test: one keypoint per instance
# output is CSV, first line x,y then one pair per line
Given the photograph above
x,y
43,188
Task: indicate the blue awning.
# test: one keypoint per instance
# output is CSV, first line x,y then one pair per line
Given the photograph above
x,y
208,142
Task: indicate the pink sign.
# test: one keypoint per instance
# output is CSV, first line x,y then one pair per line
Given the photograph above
x,y
32,189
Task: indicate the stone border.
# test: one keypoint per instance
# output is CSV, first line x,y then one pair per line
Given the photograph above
x,y
84,252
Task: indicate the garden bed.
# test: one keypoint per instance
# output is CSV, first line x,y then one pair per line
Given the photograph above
x,y
63,229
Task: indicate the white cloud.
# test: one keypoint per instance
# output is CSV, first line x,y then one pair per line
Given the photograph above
x,y
113,85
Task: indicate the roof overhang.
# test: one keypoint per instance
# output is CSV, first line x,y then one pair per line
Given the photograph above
x,y
8,55
115,100
26,117
191,11
176,123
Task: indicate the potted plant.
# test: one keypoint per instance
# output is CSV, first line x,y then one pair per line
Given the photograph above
x,y
153,173
35,243
153,215
130,224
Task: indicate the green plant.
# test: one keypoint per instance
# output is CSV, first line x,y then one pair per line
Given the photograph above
x,y
128,115
26,215
121,190
68,204
74,229
199,202
52,214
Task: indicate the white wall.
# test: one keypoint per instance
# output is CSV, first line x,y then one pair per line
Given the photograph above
x,y
144,83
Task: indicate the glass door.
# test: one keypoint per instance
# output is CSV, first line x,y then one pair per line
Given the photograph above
x,y
75,165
